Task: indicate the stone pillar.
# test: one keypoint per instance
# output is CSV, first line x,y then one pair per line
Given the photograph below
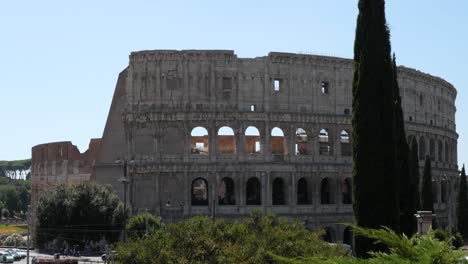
x,y
424,221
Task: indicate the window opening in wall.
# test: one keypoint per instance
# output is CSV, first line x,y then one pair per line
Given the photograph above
x,y
226,192
347,197
325,87
439,151
252,108
410,118
325,195
432,149
443,191
278,143
421,99
345,143
199,192
277,85
438,105
199,107
227,87
278,197
226,141
302,197
324,144
431,121
252,141
199,141
346,111
253,192
301,142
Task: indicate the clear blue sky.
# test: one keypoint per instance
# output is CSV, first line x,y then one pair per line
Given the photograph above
x,y
60,60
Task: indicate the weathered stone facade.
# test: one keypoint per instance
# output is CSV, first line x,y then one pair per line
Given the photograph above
x,y
206,132
59,163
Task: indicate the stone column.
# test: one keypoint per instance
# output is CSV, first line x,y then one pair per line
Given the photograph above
x,y
424,221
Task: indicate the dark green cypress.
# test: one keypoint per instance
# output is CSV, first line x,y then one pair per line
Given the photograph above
x,y
414,202
462,206
402,153
426,194
375,183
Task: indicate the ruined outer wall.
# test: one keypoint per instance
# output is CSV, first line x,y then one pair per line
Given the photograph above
x,y
59,163
166,93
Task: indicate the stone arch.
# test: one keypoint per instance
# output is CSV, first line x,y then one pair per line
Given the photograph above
x,y
329,234
278,196
199,192
301,142
324,143
199,141
347,191
345,141
252,143
253,192
303,191
326,191
422,148
432,149
447,151
439,150
278,142
348,236
226,192
443,191
226,140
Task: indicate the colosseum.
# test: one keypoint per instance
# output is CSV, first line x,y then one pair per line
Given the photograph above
x,y
206,132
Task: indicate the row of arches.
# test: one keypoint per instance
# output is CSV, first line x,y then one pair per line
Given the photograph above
x,y
437,150
253,192
226,141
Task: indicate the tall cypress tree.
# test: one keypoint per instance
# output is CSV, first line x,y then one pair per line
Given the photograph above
x,y
402,154
414,195
426,195
462,205
375,183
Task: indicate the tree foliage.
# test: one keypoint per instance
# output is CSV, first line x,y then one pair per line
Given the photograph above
x,y
202,240
375,174
462,205
426,194
14,168
424,249
14,195
76,214
138,225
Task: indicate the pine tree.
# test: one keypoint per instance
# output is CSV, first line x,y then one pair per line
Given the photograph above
x,y
426,195
375,183
462,206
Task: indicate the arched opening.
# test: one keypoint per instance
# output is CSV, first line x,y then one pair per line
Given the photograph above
x,y
199,192
301,142
345,143
226,194
443,191
439,151
199,141
253,192
432,149
302,193
325,192
252,141
435,193
422,148
347,191
348,236
278,143
447,151
328,235
226,141
324,144
278,194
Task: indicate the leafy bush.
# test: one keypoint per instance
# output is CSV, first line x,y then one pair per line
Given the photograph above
x,y
137,225
402,250
14,240
442,235
202,240
457,240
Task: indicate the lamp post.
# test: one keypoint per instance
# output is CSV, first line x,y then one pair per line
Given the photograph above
x,y
124,180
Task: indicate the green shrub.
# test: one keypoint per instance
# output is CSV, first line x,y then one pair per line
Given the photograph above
x,y
139,224
14,240
457,240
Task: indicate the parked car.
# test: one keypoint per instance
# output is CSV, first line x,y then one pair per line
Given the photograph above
x,y
13,253
20,252
6,258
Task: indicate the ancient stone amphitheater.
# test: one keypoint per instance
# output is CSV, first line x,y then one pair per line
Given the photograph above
x,y
206,132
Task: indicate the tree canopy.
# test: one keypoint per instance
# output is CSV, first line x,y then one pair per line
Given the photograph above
x,y
76,214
